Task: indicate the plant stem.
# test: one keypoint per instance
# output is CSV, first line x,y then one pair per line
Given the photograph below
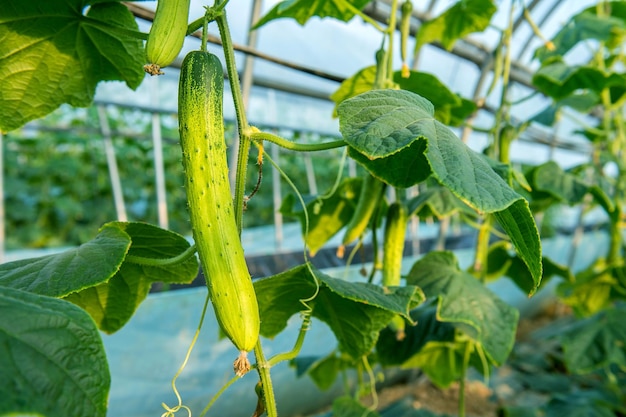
x,y
195,25
263,368
360,13
142,260
466,358
242,122
218,394
391,30
287,356
299,147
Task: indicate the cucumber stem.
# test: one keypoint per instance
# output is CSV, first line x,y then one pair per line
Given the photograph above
x,y
293,146
242,122
142,260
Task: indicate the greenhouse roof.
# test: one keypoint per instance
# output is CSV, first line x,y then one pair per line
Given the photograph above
x,y
299,66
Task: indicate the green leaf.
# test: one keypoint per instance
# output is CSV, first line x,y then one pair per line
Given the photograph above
x,y
358,83
595,342
559,80
581,101
467,304
402,169
566,187
154,243
52,358
449,108
112,304
355,312
61,274
588,403
593,288
393,352
323,371
349,407
433,346
518,222
581,27
438,202
463,18
327,214
53,54
501,262
303,10
382,123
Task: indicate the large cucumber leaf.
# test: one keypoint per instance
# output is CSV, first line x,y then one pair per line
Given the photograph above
x,y
73,270
467,304
52,358
430,345
106,276
383,125
57,51
355,312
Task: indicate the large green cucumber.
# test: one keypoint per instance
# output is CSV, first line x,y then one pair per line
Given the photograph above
x,y
215,232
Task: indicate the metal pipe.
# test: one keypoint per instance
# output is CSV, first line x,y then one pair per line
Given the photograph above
x,y
159,171
114,175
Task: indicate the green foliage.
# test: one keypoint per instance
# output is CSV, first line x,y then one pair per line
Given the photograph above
x,y
399,136
465,303
382,124
349,407
51,356
303,10
595,342
108,276
501,262
461,19
38,53
355,312
449,108
327,214
323,371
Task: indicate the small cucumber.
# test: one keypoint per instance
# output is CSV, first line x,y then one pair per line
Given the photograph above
x,y
215,232
405,29
393,248
167,34
369,198
393,243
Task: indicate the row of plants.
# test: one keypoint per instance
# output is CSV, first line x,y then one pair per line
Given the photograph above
x,y
58,189
396,123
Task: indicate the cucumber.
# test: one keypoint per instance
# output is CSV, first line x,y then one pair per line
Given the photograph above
x,y
369,198
201,126
393,243
393,249
167,34
405,29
